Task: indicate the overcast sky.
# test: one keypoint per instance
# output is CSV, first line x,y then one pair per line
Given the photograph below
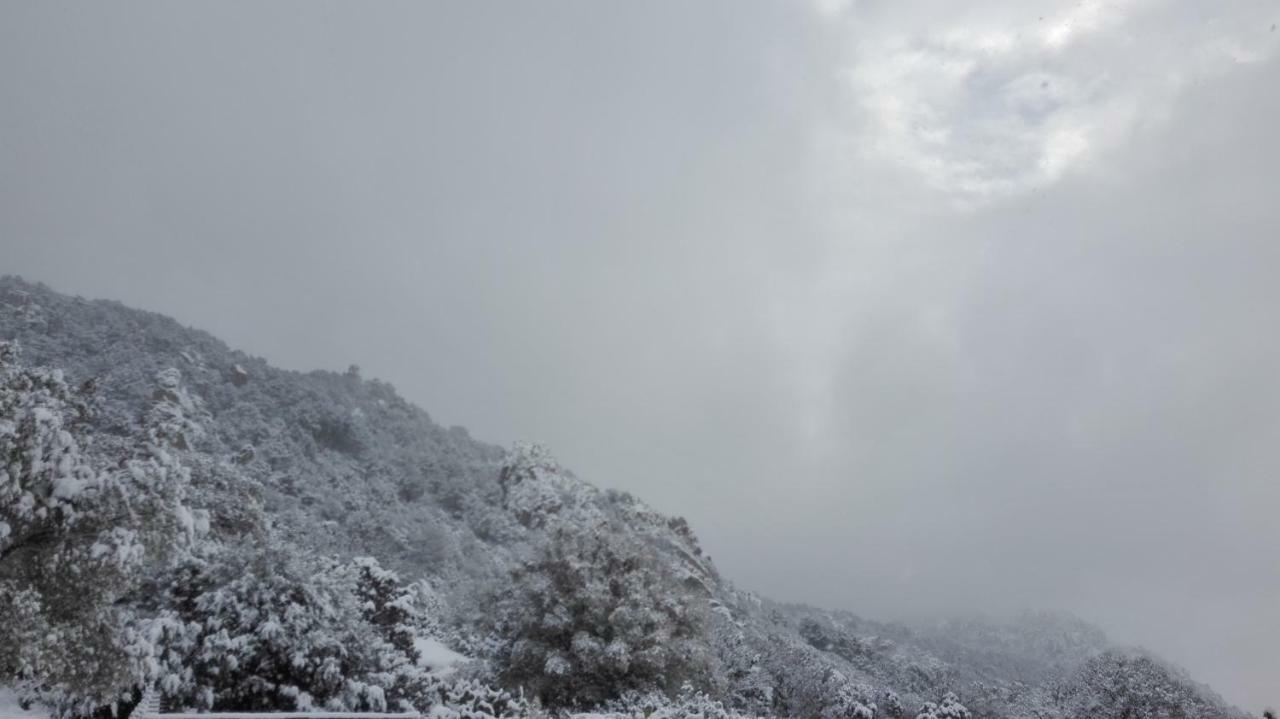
x,y
909,307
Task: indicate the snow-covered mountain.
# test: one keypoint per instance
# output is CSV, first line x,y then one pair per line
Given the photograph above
x,y
587,599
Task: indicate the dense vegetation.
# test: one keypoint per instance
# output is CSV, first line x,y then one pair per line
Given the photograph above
x,y
178,513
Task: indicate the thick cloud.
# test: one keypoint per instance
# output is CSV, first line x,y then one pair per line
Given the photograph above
x,y
908,309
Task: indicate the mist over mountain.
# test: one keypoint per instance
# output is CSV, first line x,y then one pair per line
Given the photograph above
x,y
312,540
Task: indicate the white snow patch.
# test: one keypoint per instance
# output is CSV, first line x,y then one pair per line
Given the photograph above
x,y
433,654
10,709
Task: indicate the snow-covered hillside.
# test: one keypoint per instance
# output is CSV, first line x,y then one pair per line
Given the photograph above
x,y
356,552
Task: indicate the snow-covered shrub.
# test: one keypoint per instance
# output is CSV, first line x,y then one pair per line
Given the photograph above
x,y
690,703
267,630
596,614
469,699
891,704
272,630
950,708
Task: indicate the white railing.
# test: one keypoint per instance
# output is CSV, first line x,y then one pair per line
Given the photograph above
x,y
149,708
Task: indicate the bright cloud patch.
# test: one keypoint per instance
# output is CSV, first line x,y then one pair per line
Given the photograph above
x,y
996,102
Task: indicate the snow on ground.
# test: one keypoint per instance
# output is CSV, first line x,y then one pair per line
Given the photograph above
x,y
9,708
439,658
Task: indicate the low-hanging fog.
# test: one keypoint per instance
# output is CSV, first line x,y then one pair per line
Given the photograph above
x,y
910,308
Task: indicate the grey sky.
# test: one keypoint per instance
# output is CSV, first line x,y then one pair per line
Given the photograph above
x,y
907,307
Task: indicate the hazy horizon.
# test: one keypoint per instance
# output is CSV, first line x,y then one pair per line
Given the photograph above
x,y
968,303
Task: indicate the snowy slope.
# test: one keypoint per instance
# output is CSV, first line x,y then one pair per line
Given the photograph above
x,y
343,465
10,709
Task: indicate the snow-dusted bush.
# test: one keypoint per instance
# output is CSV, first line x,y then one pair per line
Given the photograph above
x,y
689,703
270,630
470,699
949,708
891,704
596,614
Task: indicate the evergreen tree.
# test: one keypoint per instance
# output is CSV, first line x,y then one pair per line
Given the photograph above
x,y
79,523
266,630
274,630
595,614
950,708
387,604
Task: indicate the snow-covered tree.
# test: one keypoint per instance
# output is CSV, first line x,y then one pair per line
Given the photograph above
x,y
79,522
596,614
747,685
808,684
268,630
534,485
949,708
274,630
891,704
1132,685
387,603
